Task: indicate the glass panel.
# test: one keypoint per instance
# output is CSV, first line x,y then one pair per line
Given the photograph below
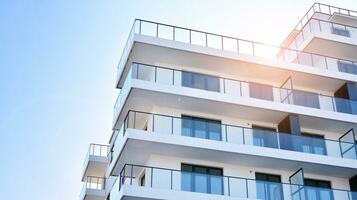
x,y
306,99
200,181
214,131
264,138
199,130
212,83
186,126
186,181
216,184
347,67
261,91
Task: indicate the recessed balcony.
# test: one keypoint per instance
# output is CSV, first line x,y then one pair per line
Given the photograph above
x,y
96,161
93,188
147,182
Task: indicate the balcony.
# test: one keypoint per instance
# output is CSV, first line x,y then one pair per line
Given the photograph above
x,y
93,188
330,39
236,137
255,95
96,161
233,48
145,181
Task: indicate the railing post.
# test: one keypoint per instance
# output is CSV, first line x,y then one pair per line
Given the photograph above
x,y
131,175
206,39
153,123
222,43
253,48
326,62
237,46
278,139
229,187
140,27
157,30
134,124
190,36
152,176
226,132
171,178
173,33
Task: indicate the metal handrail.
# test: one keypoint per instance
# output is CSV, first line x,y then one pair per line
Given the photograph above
x,y
333,99
228,125
316,8
253,45
131,167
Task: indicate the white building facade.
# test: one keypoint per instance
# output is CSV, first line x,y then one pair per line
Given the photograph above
x,y
206,116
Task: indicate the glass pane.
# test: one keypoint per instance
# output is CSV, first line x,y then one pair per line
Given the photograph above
x,y
186,79
200,183
212,83
186,181
214,131
186,126
216,184
199,130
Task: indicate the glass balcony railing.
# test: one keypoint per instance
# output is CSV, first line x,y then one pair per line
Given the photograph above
x,y
318,26
170,125
96,150
178,78
226,43
323,9
171,179
92,183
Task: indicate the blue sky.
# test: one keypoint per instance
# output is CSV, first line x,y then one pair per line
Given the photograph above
x,y
57,71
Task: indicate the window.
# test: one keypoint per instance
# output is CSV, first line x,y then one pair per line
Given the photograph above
x,y
202,179
200,81
264,137
314,144
318,189
347,67
201,128
261,91
341,32
269,187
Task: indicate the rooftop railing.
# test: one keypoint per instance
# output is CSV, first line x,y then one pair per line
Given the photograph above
x,y
227,86
224,43
181,126
325,9
178,180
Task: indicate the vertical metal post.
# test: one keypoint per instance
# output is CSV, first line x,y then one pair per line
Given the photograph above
x,y
171,178
243,135
222,43
312,59
229,187
226,132
172,125
157,30
134,119
253,48
131,175
153,122
206,39
237,46
326,62
224,85
278,139
173,33
155,74
152,176
140,27
319,25
190,36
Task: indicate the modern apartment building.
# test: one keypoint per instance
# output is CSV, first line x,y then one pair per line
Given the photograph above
x,y
203,116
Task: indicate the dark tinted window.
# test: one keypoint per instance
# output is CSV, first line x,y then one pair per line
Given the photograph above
x,y
317,183
201,179
200,81
201,128
347,67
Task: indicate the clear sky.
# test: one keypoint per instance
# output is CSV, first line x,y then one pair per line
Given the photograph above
x,y
57,71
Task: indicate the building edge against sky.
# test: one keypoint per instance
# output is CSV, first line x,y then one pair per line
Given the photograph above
x,y
206,116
